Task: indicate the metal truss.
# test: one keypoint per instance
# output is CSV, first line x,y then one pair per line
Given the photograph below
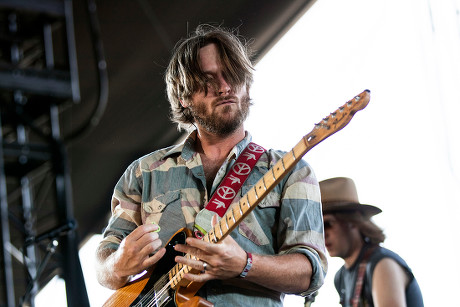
x,y
38,77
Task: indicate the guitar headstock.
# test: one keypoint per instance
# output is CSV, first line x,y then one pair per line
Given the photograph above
x,y
338,119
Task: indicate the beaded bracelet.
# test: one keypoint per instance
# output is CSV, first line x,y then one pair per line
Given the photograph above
x,y
248,265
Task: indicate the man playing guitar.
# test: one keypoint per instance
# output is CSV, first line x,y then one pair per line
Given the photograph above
x,y
277,248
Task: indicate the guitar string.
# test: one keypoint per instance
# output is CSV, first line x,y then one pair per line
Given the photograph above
x,y
154,300
151,298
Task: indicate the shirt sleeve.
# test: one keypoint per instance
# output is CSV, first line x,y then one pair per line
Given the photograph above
x,y
126,208
301,228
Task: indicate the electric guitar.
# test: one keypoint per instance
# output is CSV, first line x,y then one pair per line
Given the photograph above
x,y
165,285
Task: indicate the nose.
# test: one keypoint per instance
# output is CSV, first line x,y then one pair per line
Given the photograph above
x,y
224,87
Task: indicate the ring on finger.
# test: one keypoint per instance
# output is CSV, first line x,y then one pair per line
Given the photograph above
x,y
205,265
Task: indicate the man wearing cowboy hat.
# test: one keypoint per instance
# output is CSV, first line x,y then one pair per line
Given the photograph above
x,y
372,275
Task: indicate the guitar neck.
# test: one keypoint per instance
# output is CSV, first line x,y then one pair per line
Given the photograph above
x,y
328,126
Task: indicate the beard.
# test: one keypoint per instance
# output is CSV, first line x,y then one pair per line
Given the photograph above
x,y
220,123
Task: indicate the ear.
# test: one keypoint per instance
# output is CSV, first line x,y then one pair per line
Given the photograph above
x,y
183,103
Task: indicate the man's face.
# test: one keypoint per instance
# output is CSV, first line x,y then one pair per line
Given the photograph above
x,y
338,237
223,108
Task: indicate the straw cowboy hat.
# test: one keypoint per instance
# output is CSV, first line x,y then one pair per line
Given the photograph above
x,y
339,194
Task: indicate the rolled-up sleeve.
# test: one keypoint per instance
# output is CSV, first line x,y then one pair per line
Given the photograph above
x,y
301,227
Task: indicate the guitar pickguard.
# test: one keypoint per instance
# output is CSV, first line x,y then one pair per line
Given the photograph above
x,y
153,289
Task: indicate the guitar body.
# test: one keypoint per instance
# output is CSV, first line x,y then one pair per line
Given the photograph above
x,y
144,291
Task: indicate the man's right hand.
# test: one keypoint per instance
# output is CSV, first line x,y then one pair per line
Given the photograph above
x,y
135,254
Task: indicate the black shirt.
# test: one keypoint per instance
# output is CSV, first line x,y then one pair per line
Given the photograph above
x,y
345,279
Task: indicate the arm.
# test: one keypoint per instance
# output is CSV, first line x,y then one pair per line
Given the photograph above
x,y
389,283
227,260
128,246
114,268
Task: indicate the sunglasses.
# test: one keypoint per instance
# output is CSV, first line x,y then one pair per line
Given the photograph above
x,y
328,224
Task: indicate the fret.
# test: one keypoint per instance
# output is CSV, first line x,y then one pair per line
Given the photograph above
x,y
282,165
268,184
273,173
170,274
252,197
179,277
237,212
219,234
211,234
213,237
288,161
293,153
260,187
278,170
219,227
230,218
176,268
257,192
226,224
173,280
186,269
300,148
244,206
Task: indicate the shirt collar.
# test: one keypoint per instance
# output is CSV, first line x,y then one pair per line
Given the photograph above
x,y
187,147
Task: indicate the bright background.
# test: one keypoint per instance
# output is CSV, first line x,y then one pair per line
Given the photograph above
x,y
402,150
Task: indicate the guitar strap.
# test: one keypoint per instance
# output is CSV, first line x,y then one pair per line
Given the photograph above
x,y
360,278
227,190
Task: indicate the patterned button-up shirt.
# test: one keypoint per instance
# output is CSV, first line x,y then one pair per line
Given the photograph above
x,y
168,187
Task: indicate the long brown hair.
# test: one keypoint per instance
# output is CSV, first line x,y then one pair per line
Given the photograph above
x,y
184,77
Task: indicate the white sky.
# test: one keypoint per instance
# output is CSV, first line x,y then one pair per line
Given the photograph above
x,y
402,150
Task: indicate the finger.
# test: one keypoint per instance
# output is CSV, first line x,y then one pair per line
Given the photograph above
x,y
150,248
183,248
141,230
191,262
198,243
198,277
198,248
148,238
154,258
